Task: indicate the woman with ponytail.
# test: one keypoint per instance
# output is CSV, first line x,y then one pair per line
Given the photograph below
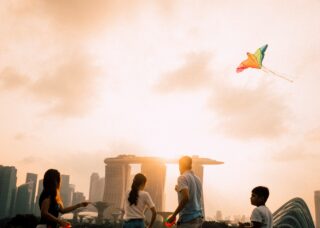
x,y
50,202
137,202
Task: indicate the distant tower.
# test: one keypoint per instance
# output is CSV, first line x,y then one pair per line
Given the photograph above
x,y
37,206
94,178
155,171
78,197
317,207
32,178
96,188
23,199
219,216
116,181
65,190
8,181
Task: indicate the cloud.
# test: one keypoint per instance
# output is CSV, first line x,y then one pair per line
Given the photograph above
x,y
20,136
300,151
313,135
194,74
69,89
124,147
249,113
11,79
83,19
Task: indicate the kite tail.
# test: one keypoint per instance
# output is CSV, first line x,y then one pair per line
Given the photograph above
x,y
276,74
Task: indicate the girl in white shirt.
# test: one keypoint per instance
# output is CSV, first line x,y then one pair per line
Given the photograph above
x,y
137,202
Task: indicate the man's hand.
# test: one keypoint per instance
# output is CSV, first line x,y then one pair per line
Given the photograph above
x,y
171,218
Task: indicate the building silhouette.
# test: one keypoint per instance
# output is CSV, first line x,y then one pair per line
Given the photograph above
x,y
78,197
65,190
155,171
317,207
116,182
117,176
32,179
96,189
8,181
37,206
23,198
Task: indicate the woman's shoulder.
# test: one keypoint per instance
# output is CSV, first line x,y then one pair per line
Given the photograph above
x,y
144,193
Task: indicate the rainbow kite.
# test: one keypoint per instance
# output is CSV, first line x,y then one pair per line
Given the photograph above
x,y
255,61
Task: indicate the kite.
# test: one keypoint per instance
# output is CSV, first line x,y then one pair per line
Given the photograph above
x,y
255,61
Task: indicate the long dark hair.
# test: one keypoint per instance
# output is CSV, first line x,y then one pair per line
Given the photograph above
x,y
138,180
51,184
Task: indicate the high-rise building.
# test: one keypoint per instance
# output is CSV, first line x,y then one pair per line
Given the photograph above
x,y
155,171
32,178
78,197
116,183
96,188
72,189
317,207
65,191
37,206
23,199
8,181
219,216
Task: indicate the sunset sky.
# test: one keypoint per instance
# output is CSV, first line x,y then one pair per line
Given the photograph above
x,y
84,80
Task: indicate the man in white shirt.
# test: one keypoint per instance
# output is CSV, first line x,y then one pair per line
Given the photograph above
x,y
189,189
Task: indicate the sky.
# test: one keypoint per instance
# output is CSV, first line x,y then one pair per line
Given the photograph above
x,y
81,81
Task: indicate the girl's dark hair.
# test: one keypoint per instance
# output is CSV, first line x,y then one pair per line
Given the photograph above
x,y
138,180
51,184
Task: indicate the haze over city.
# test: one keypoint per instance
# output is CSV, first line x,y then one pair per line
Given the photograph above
x,y
83,81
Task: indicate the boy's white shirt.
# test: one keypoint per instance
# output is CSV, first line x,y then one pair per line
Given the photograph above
x,y
263,215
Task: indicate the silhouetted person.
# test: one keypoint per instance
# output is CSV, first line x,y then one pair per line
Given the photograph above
x,y
137,202
261,216
50,202
189,189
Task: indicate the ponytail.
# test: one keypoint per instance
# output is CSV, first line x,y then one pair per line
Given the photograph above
x,y
138,180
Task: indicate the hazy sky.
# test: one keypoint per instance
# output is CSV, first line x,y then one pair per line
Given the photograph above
x,y
84,80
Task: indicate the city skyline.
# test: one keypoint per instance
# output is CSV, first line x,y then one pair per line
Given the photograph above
x,y
80,82
96,188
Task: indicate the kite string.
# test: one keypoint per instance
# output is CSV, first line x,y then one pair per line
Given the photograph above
x,y
276,74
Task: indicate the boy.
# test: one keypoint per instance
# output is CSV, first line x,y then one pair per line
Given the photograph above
x,y
261,216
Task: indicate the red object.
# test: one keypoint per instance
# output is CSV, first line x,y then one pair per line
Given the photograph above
x,y
167,224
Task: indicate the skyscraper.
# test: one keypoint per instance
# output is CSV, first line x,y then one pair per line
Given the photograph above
x,y
96,188
23,199
116,183
37,207
32,178
317,207
78,197
8,181
155,171
65,191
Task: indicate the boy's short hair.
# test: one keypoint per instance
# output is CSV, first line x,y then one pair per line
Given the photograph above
x,y
261,191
